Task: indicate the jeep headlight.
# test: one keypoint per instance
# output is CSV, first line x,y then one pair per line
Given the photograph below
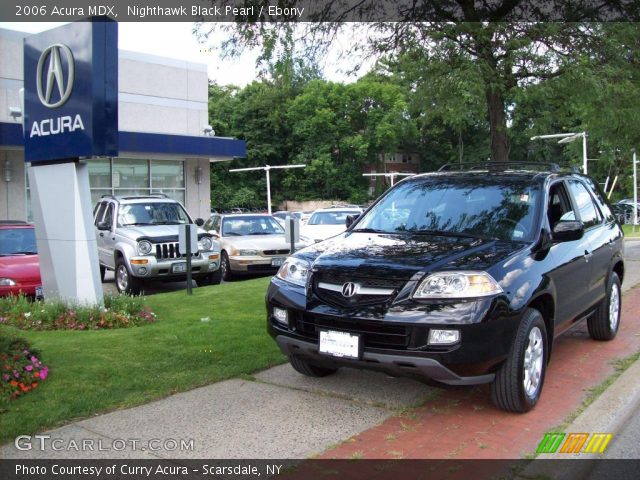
x,y
144,247
245,253
294,270
457,285
205,243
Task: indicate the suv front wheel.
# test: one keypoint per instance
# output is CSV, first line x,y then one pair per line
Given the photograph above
x,y
519,380
125,282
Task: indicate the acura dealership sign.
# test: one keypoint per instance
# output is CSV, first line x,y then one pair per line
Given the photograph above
x,y
71,92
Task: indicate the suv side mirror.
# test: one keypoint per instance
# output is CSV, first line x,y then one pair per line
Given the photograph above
x,y
567,231
199,222
350,219
103,226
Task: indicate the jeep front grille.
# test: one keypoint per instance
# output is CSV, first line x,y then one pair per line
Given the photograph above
x,y
170,250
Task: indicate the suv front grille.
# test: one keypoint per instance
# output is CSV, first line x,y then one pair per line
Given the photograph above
x,y
170,250
327,287
374,334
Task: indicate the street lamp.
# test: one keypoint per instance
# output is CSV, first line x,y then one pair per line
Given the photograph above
x,y
391,175
635,188
267,168
568,138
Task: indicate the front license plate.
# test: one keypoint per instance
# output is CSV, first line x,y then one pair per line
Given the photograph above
x,y
339,344
39,292
277,262
179,267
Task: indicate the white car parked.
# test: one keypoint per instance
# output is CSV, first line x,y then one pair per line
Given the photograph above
x,y
328,222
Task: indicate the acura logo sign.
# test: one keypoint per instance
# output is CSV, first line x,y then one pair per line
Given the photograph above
x,y
55,75
349,289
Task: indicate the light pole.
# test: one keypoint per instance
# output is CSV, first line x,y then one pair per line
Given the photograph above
x,y
267,168
635,188
568,138
391,175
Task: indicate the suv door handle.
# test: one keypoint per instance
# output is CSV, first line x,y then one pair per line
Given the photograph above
x,y
587,255
102,234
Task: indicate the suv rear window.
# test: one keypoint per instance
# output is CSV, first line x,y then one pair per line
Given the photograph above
x,y
467,206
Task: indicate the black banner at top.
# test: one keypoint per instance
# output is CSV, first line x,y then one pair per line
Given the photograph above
x,y
323,10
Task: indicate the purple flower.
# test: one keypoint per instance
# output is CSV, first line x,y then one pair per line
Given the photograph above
x,y
28,368
44,372
16,374
3,320
34,359
6,377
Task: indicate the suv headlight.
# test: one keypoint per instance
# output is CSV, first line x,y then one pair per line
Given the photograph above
x,y
205,243
294,270
144,247
7,282
457,285
245,253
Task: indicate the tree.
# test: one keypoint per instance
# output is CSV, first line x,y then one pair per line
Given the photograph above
x,y
505,57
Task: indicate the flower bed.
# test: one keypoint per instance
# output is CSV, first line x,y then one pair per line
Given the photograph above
x,y
21,369
118,312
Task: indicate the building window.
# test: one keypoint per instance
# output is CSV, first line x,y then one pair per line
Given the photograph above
x,y
127,176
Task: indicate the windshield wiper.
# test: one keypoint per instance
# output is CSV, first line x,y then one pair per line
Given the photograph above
x,y
230,234
262,233
24,252
136,224
369,230
166,223
446,233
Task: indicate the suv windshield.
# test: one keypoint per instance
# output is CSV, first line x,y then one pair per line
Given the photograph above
x,y
17,241
152,213
330,218
247,225
465,206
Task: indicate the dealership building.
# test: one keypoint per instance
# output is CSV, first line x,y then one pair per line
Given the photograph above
x,y
163,140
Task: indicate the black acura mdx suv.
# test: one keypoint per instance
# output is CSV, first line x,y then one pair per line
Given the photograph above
x,y
458,277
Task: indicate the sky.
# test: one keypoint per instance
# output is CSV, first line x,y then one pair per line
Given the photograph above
x,y
175,40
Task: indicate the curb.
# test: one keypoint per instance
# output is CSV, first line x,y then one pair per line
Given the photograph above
x,y
608,413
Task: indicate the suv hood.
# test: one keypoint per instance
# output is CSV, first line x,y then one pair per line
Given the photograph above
x,y
162,233
402,255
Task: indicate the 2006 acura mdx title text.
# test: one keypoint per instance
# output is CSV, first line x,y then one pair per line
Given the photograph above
x,y
459,277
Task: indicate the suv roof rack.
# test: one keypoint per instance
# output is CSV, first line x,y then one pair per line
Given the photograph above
x,y
502,166
153,195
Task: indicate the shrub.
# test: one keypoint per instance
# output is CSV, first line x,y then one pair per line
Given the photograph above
x,y
118,311
21,369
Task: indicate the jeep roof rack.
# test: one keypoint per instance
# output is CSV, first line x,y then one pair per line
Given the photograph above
x,y
153,195
502,166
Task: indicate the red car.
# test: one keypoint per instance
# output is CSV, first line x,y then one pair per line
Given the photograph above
x,y
19,266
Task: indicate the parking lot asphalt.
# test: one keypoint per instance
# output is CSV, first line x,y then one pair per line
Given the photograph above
x,y
281,414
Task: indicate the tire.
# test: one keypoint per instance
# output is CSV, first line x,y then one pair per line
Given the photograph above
x,y
225,267
307,368
125,282
605,321
212,279
103,270
519,380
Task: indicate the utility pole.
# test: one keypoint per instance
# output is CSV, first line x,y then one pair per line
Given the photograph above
x,y
267,168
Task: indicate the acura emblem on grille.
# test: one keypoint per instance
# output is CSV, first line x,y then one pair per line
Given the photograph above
x,y
349,289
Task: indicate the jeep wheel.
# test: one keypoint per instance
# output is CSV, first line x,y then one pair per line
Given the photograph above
x,y
519,380
605,321
225,267
307,368
125,282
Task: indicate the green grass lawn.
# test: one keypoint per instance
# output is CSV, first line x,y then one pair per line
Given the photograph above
x,y
97,371
630,231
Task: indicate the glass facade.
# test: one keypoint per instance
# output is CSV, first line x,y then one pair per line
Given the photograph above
x,y
128,176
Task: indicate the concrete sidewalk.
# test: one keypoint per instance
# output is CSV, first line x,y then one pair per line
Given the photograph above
x,y
352,414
